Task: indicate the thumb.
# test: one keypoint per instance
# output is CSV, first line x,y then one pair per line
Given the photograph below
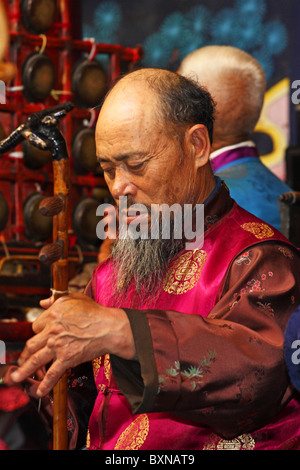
x,y
46,303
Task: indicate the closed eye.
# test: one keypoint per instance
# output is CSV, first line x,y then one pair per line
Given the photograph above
x,y
132,164
109,171
136,166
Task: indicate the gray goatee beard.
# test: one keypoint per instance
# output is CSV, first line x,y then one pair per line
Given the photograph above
x,y
141,264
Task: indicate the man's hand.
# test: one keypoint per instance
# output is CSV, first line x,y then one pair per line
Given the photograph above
x,y
74,329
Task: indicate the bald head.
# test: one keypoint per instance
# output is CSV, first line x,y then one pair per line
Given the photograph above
x,y
128,100
157,116
174,99
236,82
153,144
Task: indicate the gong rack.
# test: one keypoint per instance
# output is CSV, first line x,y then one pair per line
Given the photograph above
x,y
25,173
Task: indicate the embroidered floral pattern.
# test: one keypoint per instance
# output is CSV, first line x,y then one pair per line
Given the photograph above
x,y
134,435
242,442
266,308
79,381
96,366
107,366
287,253
184,273
192,376
88,439
254,285
258,229
70,424
244,259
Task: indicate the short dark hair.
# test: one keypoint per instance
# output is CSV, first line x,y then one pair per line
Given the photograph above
x,y
183,100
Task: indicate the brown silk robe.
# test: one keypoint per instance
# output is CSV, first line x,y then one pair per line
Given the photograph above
x,y
240,380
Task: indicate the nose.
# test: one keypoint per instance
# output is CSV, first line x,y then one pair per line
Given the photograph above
x,y
122,184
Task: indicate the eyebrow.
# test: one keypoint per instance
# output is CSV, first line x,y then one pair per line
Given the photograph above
x,y
120,158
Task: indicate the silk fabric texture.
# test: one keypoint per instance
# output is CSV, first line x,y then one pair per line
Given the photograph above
x,y
209,372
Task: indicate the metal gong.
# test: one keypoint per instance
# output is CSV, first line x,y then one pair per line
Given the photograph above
x,y
84,151
4,212
38,227
38,15
85,221
89,83
35,158
38,77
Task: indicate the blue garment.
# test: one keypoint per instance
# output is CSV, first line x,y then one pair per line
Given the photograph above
x,y
255,188
216,188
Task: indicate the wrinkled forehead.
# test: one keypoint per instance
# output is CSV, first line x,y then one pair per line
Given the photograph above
x,y
127,103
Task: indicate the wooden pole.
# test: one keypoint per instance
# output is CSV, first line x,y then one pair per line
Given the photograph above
x,y
41,130
60,431
57,255
60,287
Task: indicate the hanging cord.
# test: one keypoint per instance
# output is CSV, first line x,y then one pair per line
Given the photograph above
x,y
93,51
44,43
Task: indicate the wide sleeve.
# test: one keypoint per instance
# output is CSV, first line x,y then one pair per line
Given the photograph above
x,y
226,371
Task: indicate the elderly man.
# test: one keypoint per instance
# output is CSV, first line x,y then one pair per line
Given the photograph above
x,y
237,83
186,344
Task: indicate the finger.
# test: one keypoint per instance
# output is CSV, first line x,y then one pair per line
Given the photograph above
x,y
32,345
34,363
41,321
46,303
54,373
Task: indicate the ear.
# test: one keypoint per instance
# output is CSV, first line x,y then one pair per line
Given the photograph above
x,y
198,140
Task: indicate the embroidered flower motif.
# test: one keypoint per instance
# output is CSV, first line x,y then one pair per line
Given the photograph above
x,y
70,424
266,308
244,258
287,253
79,381
190,375
254,285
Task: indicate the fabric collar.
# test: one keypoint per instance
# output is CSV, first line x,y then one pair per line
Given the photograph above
x,y
218,204
228,154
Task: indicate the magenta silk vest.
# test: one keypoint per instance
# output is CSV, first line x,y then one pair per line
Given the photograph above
x,y
193,284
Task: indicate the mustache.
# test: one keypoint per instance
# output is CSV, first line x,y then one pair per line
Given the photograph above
x,y
140,266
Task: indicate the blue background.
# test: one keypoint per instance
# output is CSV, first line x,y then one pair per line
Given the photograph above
x,y
168,30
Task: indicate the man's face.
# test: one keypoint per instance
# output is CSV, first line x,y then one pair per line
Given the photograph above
x,y
148,162
141,158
